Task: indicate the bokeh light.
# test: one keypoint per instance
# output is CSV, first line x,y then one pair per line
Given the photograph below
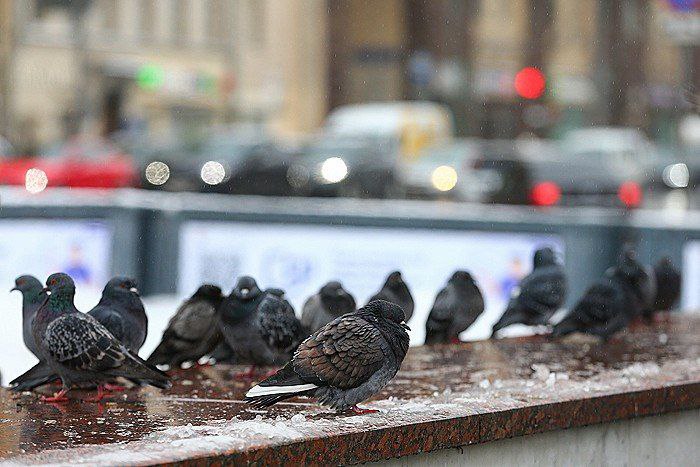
x,y
546,194
444,178
213,173
35,180
298,176
334,170
530,83
157,173
676,175
630,194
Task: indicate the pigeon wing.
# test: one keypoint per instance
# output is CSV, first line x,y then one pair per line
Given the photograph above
x,y
543,291
80,342
278,324
343,354
442,313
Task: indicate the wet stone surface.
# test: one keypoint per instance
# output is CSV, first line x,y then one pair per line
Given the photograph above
x,y
443,397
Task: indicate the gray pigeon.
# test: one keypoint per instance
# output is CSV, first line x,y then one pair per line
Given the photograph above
x,y
540,294
193,331
456,307
344,363
247,332
396,291
610,303
121,311
331,302
81,350
668,285
32,296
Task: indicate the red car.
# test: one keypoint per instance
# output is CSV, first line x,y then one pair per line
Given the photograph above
x,y
79,162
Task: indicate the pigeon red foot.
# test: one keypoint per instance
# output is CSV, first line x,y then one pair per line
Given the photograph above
x,y
246,375
114,387
360,411
100,394
455,340
60,396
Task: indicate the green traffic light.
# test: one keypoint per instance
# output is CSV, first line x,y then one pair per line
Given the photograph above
x,y
150,77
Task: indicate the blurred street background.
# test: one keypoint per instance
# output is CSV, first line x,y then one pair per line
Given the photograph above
x,y
416,121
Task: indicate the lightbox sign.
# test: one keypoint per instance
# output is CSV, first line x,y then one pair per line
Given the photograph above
x,y
301,258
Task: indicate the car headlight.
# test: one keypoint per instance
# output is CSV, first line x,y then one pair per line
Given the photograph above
x,y
35,180
157,173
444,178
334,170
213,173
676,175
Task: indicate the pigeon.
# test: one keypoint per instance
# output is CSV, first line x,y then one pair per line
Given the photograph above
x,y
610,303
328,304
193,331
344,363
80,349
121,311
668,285
456,307
396,291
540,294
248,333
32,297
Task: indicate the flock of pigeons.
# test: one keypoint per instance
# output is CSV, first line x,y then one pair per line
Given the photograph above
x,y
337,353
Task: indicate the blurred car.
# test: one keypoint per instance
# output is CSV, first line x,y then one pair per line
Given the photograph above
x,y
442,171
333,165
238,160
80,162
416,125
601,166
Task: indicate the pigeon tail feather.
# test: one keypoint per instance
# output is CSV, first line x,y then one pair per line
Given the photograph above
x,y
282,385
36,376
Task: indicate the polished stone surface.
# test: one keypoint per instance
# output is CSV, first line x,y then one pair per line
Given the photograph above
x,y
443,396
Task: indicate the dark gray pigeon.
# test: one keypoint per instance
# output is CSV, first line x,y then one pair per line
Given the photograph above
x,y
247,332
121,311
331,302
611,303
81,350
32,296
396,291
456,307
193,331
539,295
668,285
344,363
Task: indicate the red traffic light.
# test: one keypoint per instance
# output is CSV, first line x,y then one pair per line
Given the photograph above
x,y
545,194
529,83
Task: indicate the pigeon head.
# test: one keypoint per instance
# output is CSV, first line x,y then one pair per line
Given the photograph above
x,y
276,292
28,285
121,287
394,280
246,288
544,257
60,285
336,299
208,291
388,311
462,277
627,264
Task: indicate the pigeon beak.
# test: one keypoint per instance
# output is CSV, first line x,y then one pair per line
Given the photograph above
x,y
46,291
13,289
405,326
134,290
244,292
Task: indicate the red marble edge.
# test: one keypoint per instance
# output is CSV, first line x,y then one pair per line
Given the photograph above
x,y
405,440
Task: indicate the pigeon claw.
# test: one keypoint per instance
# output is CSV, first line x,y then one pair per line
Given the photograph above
x,y
60,396
100,394
359,411
114,388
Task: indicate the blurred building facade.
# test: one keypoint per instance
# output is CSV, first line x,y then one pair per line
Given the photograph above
x,y
605,61
103,66
157,66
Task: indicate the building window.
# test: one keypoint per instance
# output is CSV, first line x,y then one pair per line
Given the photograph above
x,y
217,21
181,16
257,22
147,16
109,10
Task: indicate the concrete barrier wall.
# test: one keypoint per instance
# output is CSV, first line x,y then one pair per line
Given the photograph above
x,y
146,225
